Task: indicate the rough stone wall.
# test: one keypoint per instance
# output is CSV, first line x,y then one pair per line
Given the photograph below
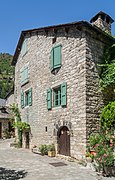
x,y
102,24
95,99
40,79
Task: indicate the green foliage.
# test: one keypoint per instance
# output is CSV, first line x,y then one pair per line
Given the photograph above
x,y
108,116
6,74
103,144
21,125
15,111
51,147
107,76
43,149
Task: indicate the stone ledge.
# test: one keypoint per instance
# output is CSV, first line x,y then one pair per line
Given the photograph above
x,y
36,151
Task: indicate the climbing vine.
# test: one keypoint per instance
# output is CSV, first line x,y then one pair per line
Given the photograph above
x,y
21,126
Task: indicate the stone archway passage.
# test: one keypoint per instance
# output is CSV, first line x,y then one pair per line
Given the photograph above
x,y
64,141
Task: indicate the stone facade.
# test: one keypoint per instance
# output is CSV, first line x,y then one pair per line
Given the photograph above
x,y
82,48
10,100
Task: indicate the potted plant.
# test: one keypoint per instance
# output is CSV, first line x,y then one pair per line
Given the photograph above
x,y
51,150
43,149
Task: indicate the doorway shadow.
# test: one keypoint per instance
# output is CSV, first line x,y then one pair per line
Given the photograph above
x,y
10,174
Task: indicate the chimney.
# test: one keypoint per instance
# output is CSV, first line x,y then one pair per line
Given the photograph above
x,y
102,21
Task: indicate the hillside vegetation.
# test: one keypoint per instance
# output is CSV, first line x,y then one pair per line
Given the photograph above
x,y
6,74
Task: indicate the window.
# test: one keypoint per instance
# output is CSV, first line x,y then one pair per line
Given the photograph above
x,y
24,76
55,57
26,98
59,95
24,48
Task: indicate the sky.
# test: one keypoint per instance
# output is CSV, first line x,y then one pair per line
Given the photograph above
x,y
18,15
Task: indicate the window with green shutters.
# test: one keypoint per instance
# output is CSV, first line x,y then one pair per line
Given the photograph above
x,y
59,95
56,57
24,76
26,98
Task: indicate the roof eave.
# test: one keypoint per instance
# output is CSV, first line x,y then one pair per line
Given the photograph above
x,y
83,23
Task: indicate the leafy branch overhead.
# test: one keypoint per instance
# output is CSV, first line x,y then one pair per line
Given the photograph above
x,y
107,77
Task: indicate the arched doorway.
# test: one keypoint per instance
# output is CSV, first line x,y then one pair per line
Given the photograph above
x,y
64,141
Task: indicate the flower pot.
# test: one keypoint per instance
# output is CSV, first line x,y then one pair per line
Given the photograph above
x,y
51,153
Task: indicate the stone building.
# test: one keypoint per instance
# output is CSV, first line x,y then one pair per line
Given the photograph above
x,y
56,82
6,130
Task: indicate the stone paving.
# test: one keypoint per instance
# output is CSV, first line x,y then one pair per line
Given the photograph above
x,y
23,164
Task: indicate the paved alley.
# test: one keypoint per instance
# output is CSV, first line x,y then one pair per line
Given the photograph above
x,y
23,164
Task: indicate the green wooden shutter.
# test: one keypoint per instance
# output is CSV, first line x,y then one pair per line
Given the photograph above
x,y
52,60
22,76
30,97
24,47
49,99
22,99
57,56
64,94
26,74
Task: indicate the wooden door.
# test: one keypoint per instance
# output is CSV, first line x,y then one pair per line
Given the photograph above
x,y
64,141
0,130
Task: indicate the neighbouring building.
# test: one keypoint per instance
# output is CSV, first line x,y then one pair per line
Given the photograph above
x,y
6,118
56,82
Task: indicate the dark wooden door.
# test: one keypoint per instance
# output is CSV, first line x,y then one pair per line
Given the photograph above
x,y
27,140
64,141
0,130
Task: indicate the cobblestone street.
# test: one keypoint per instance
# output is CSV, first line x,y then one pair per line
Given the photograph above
x,y
23,164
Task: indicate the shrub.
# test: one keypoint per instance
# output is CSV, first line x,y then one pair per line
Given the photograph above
x,y
43,149
103,144
108,116
51,147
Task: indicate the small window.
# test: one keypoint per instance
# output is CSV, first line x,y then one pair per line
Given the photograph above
x,y
57,96
55,57
27,98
